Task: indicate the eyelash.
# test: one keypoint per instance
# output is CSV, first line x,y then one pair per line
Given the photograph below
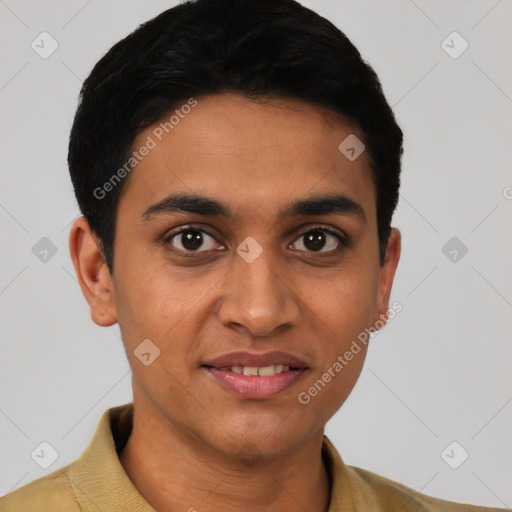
x,y
343,240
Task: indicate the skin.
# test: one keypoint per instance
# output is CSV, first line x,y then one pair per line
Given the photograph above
x,y
194,443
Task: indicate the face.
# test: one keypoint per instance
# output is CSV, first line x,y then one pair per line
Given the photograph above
x,y
255,285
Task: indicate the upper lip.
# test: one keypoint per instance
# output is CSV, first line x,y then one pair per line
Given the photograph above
x,y
256,359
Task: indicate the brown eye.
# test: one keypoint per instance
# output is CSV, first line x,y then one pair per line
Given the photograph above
x,y
192,240
318,239
315,240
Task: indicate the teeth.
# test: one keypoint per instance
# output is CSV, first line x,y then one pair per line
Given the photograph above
x,y
262,371
267,371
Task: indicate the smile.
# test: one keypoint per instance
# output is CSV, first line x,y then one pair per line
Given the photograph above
x,y
262,371
256,376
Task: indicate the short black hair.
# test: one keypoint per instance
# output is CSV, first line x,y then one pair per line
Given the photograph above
x,y
263,48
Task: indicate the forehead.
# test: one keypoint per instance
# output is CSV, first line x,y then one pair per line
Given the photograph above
x,y
254,155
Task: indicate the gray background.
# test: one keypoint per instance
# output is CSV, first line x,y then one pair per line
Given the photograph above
x,y
439,372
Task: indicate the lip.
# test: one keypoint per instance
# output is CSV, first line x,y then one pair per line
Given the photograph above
x,y
256,359
256,387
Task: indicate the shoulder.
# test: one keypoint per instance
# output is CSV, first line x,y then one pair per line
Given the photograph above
x,y
369,487
52,492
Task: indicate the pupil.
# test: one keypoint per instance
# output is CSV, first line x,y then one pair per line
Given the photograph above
x,y
192,240
315,240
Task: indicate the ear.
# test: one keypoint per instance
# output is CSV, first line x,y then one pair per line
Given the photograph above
x,y
386,276
92,273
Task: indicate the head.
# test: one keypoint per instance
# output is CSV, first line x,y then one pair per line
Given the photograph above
x,y
226,119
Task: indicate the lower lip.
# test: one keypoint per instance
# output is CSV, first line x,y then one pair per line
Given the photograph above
x,y
255,386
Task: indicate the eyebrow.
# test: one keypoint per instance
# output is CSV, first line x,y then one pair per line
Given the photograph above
x,y
202,205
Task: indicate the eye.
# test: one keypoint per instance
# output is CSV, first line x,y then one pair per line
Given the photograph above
x,y
318,239
189,239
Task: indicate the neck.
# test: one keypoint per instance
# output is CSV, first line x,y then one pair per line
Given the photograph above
x,y
175,471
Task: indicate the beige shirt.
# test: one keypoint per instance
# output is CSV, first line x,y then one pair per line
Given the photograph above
x,y
96,481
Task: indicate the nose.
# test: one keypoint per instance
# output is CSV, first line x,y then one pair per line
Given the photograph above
x,y
259,298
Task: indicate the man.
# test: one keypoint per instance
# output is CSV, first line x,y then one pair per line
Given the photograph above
x,y
237,167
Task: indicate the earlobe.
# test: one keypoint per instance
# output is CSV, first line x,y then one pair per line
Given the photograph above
x,y
92,273
387,274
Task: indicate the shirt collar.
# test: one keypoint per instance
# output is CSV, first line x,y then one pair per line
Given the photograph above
x,y
100,481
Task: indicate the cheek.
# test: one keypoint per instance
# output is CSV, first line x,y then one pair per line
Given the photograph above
x,y
166,306
346,302
326,391
344,307
149,296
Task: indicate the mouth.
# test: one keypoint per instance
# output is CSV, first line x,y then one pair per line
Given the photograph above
x,y
253,371
256,376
